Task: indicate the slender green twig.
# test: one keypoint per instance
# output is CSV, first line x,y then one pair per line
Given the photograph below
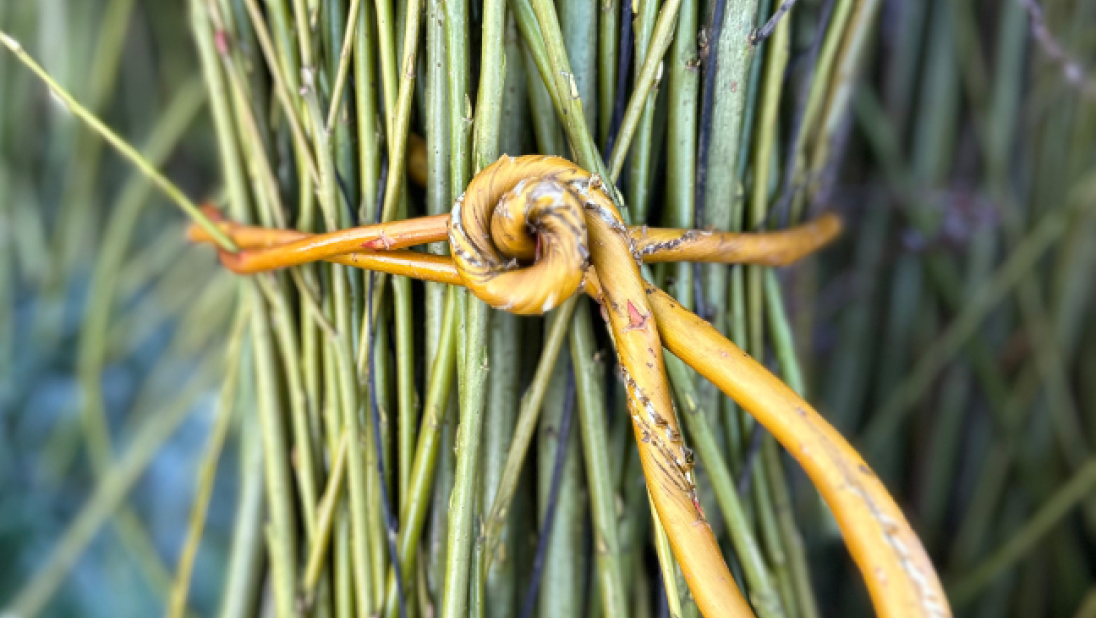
x,y
649,74
526,426
344,63
638,141
588,381
206,473
763,587
121,146
560,592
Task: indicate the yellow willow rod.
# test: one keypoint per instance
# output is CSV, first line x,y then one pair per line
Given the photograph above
x,y
565,206
265,249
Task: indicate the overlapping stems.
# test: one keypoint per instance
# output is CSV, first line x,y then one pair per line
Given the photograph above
x,y
531,231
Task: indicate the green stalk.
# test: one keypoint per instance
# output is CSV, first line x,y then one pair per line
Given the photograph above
x,y
369,149
244,570
329,504
460,106
684,91
716,205
762,584
526,426
608,50
579,21
355,16
141,163
305,461
399,112
471,366
500,417
281,527
666,563
650,73
462,503
560,593
338,313
589,377
425,467
335,29
546,127
640,159
765,480
207,471
282,88
784,346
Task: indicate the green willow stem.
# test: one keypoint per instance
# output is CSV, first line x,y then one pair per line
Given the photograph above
x,y
525,427
816,97
399,111
784,346
369,148
438,194
244,570
305,463
560,591
762,585
462,503
681,141
589,378
281,527
321,541
344,63
282,88
501,415
398,119
504,395
143,165
579,21
386,29
207,472
546,126
717,204
366,556
641,139
471,353
666,562
608,22
649,74
334,18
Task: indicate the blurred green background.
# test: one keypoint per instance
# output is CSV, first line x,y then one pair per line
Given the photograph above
x,y
949,333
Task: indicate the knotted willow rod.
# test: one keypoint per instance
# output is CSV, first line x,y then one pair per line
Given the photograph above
x,y
578,242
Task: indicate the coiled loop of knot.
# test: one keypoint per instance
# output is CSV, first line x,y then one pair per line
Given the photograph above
x,y
518,234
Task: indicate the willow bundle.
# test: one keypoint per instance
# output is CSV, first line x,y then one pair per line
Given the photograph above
x,y
406,189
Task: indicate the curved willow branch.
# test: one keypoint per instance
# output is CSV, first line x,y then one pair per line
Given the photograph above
x,y
567,210
898,572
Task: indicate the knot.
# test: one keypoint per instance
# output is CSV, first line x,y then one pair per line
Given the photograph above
x,y
518,233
